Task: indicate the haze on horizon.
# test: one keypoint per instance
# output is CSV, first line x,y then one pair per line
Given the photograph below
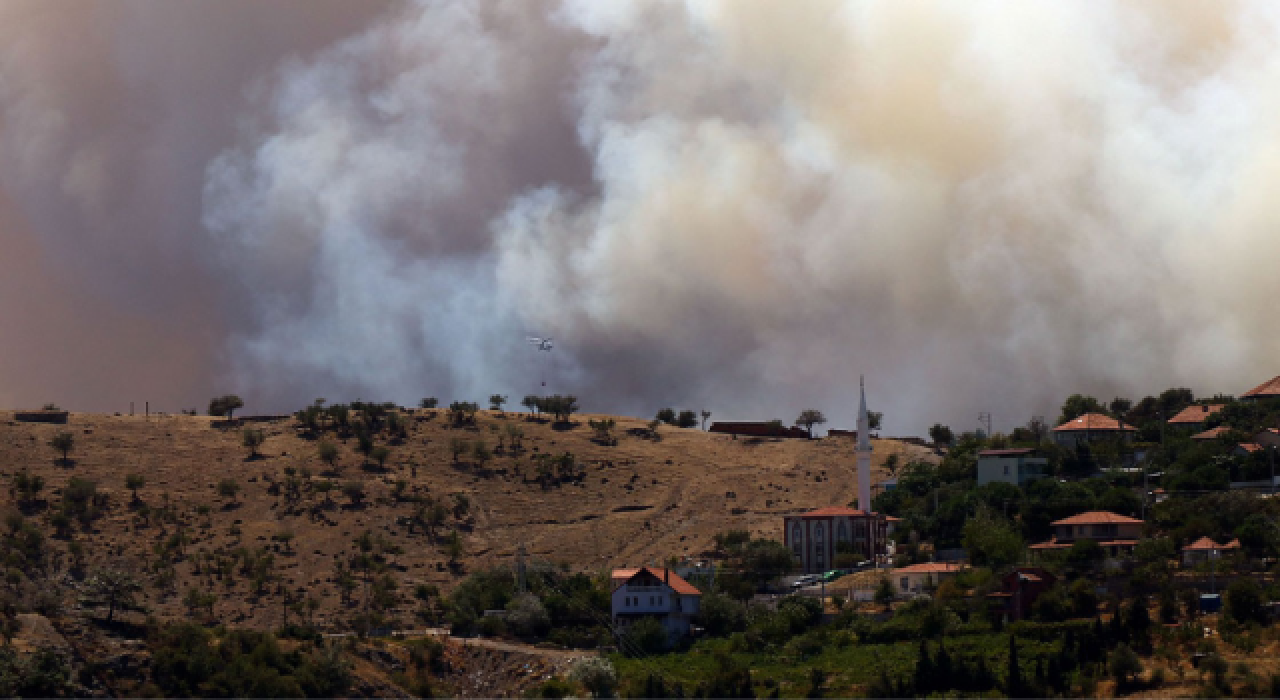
x,y
737,205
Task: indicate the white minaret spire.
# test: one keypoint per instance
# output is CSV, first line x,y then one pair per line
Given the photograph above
x,y
864,450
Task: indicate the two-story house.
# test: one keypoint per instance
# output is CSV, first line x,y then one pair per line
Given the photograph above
x,y
654,592
1117,534
1014,466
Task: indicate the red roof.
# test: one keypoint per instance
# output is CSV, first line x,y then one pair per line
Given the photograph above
x,y
1249,446
671,578
1053,543
1206,544
932,567
1006,453
1192,415
834,511
1211,433
1097,517
1091,422
1270,387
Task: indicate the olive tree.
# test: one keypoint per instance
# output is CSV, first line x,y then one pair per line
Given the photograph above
x,y
809,418
63,442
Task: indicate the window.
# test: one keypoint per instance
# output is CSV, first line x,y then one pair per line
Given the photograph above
x,y
905,583
843,533
1006,470
628,603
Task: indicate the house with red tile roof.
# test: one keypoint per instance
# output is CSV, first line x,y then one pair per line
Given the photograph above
x,y
1211,433
1117,534
1269,389
816,536
1205,549
658,593
1090,427
918,578
1193,417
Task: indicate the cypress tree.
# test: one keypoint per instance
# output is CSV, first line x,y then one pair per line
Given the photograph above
x,y
1013,685
922,680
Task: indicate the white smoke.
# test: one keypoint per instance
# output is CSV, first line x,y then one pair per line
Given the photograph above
x,y
744,205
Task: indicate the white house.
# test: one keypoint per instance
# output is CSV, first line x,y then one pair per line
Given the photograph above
x,y
917,578
1017,466
657,593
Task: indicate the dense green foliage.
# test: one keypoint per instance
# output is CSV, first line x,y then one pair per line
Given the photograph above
x,y
191,661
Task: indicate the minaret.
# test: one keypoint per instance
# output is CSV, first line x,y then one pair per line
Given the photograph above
x,y
864,450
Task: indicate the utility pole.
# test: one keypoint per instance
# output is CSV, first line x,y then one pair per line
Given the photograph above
x,y
521,581
1271,455
984,419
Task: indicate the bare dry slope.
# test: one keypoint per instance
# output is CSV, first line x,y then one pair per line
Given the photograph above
x,y
638,501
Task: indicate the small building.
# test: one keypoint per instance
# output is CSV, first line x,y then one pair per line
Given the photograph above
x,y
1019,590
1205,549
1090,427
1269,389
1017,467
774,429
891,524
1245,449
1117,534
917,578
1193,417
1211,434
43,416
654,592
815,537
1268,438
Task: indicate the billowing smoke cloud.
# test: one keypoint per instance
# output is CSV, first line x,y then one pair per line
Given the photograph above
x,y
733,205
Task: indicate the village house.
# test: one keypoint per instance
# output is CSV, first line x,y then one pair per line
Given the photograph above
x,y
1193,417
1205,549
815,537
920,578
1211,434
1116,534
1268,438
658,593
1091,427
1269,389
1019,590
1016,466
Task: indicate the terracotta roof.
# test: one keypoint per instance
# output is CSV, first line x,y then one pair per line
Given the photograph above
x,y
1096,517
832,511
1093,421
1270,387
1206,544
1249,446
1053,543
931,567
1211,433
1006,453
1196,414
892,519
671,578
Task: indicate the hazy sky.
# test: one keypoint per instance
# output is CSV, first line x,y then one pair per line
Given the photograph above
x,y
736,205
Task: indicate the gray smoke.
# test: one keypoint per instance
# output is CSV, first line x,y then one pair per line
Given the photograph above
x,y
733,205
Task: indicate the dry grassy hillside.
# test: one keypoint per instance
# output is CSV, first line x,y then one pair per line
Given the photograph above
x,y
639,501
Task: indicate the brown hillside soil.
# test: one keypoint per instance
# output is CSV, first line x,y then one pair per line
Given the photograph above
x,y
639,501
